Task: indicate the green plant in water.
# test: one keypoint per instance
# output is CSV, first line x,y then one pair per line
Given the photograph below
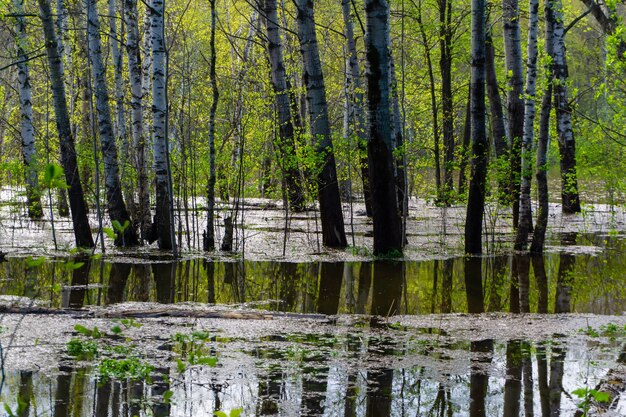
x,y
193,350
93,333
235,412
589,395
131,368
82,349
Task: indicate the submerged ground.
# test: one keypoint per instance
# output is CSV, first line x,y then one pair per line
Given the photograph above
x,y
285,327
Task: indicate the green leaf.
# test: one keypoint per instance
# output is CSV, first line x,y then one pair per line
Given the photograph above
x,y
180,366
34,262
601,396
167,396
10,412
220,414
580,392
82,330
116,329
236,412
109,232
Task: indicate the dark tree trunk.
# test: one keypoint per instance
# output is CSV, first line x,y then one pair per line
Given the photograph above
x,y
287,143
115,201
333,230
386,216
476,199
515,97
82,230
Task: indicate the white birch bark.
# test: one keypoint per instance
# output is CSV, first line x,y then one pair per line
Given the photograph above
x,y
27,131
137,120
115,202
164,217
521,240
567,145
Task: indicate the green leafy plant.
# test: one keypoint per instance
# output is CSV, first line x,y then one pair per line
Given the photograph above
x,y
53,177
235,412
82,349
132,368
589,395
93,333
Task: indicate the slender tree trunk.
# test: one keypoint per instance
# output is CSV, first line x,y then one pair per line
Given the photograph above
x,y
515,98
287,142
358,103
164,216
567,144
465,147
525,223
397,138
480,146
433,100
333,231
137,121
146,81
498,128
209,241
115,201
82,230
27,131
121,134
447,103
386,216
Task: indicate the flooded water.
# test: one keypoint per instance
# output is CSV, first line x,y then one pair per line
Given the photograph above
x,y
330,334
584,276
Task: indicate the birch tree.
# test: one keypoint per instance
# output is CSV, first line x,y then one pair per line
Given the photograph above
x,y
287,143
480,146
386,216
333,229
515,100
78,207
164,216
567,145
137,121
209,238
521,239
357,102
27,130
115,202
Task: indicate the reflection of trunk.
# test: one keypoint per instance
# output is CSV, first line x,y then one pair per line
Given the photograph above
x,y
25,393
527,371
164,279
482,351
269,392
314,386
289,275
142,274
386,216
82,231
523,281
358,103
539,269
514,301
498,273
160,385
565,276
210,275
365,283
118,276
331,276
513,383
379,382
333,232
557,365
480,146
80,279
446,286
115,202
27,131
103,392
388,280
62,394
542,380
474,284
135,397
